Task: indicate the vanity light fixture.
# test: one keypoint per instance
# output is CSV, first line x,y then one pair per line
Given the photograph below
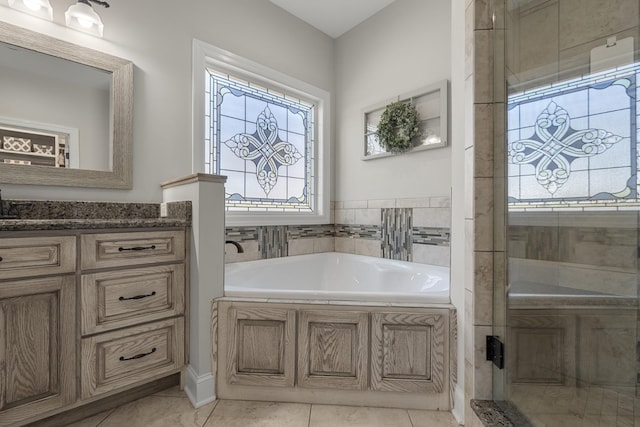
x,y
82,17
40,8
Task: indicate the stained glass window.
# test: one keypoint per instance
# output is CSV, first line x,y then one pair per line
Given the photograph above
x,y
263,141
574,144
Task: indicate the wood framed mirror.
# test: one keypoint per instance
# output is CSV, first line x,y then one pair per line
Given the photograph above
x,y
67,117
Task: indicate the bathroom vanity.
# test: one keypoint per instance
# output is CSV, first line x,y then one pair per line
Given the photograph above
x,y
89,308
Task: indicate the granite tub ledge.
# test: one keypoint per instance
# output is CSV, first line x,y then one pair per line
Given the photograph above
x,y
92,223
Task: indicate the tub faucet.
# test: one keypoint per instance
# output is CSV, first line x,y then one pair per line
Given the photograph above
x,y
236,244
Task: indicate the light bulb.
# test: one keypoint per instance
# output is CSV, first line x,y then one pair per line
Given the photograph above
x,y
32,4
81,16
39,8
85,23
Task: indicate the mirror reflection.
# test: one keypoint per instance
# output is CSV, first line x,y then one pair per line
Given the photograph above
x,y
54,112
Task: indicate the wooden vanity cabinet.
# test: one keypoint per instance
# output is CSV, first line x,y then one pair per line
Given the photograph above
x,y
132,312
88,315
37,326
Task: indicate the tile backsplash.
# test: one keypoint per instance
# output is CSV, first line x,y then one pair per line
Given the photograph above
x,y
415,230
396,233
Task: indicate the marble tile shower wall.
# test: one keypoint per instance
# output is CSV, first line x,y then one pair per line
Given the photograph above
x,y
415,230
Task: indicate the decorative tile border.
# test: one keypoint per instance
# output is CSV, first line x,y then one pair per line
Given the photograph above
x,y
358,231
273,241
396,233
302,231
430,236
241,234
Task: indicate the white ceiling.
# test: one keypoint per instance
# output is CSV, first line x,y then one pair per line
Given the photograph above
x,y
333,17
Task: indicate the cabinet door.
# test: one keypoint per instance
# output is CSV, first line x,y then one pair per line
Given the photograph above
x,y
261,346
543,347
332,349
608,349
408,351
37,347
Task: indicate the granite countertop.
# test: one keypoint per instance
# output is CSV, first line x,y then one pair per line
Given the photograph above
x,y
91,223
60,215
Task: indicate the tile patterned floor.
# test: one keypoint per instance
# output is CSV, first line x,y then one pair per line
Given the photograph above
x,y
171,408
551,406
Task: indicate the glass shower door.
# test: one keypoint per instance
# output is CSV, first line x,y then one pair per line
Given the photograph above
x,y
568,311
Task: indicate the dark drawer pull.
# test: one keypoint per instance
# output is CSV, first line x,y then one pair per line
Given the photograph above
x,y
137,356
137,248
1,259
138,296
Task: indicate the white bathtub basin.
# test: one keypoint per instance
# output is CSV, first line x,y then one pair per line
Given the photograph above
x,y
338,276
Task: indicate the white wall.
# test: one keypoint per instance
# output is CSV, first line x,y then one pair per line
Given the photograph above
x,y
156,36
402,48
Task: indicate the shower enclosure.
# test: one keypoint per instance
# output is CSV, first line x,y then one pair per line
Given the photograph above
x,y
567,170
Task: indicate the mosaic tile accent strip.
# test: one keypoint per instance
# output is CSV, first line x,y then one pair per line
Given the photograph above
x,y
396,234
302,231
430,236
241,234
273,241
358,231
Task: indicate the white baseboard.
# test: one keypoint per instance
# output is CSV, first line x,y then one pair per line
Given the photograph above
x,y
200,389
458,404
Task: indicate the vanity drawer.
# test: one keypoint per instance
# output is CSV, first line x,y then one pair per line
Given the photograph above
x,y
122,249
37,256
118,359
117,299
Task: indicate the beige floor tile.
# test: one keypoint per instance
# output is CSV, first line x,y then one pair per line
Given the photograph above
x,y
171,392
159,411
624,421
558,420
594,401
351,416
609,402
432,419
92,421
236,413
607,420
591,421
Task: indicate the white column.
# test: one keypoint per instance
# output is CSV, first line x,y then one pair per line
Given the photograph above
x,y
206,193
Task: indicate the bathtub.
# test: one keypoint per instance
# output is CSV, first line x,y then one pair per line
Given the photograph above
x,y
340,277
